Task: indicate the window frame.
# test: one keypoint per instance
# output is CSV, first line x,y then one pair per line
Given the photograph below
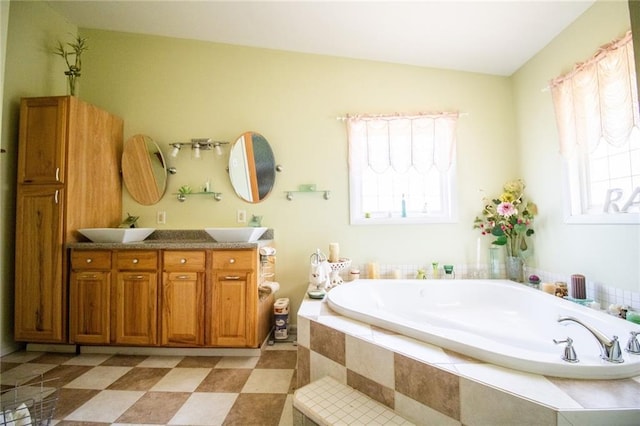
x,y
448,194
576,199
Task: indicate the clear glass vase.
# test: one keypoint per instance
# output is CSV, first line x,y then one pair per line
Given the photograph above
x,y
73,81
515,268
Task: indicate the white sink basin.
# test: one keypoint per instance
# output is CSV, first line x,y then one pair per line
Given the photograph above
x,y
236,235
116,235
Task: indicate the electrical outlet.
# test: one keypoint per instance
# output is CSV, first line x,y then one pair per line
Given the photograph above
x,y
161,217
241,216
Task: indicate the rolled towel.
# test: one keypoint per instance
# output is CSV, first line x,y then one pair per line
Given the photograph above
x,y
21,416
270,286
267,251
267,288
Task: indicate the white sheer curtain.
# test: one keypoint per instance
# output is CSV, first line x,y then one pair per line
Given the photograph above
x,y
598,99
401,142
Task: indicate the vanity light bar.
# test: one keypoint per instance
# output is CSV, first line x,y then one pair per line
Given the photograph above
x,y
198,145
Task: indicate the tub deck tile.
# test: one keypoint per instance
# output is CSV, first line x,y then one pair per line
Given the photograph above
x,y
622,393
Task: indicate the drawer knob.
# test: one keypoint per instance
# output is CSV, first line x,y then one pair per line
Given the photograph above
x,y
183,260
135,261
232,260
89,260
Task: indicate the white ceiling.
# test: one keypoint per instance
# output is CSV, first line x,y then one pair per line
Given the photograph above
x,y
492,37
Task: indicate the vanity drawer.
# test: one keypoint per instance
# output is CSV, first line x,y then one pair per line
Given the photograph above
x,y
184,260
234,259
133,260
90,259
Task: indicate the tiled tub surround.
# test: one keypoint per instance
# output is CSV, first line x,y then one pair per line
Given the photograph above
x,y
497,321
431,386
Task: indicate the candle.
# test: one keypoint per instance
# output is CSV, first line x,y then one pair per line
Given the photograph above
x,y
548,288
396,274
334,252
578,290
372,270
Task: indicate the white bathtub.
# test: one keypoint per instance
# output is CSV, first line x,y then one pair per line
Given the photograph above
x,y
496,321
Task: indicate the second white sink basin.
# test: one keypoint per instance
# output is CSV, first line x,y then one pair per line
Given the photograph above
x,y
116,235
236,235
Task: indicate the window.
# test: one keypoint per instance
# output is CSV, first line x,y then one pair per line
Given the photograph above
x,y
402,168
598,121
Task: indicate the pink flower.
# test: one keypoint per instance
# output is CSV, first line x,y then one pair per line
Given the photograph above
x,y
506,209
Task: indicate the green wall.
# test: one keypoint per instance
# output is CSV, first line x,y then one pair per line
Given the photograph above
x,y
608,254
174,90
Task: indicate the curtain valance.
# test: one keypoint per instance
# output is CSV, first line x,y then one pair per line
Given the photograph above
x,y
598,99
400,142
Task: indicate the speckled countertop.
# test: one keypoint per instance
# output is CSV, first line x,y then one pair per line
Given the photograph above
x,y
174,239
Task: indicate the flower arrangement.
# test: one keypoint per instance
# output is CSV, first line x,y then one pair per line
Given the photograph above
x,y
508,218
75,66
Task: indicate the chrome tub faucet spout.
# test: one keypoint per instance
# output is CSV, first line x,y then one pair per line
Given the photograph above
x,y
609,348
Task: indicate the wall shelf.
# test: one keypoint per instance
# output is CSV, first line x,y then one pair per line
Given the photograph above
x,y
182,196
326,193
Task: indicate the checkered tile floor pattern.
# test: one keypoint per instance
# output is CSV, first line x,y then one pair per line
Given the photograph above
x,y
97,389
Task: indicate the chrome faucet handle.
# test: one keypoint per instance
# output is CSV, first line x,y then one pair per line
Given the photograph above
x,y
633,346
614,353
569,353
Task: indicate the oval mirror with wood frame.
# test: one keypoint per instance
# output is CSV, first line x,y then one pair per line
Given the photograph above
x,y
144,170
252,168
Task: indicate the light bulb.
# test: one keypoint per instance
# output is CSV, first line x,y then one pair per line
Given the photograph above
x,y
196,150
175,150
218,148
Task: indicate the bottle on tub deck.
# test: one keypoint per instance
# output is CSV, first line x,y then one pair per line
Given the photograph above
x,y
435,271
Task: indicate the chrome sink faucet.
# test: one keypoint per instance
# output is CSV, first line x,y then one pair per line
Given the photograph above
x,y
609,348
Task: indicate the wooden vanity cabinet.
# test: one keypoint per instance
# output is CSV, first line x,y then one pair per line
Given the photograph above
x,y
183,298
90,297
135,298
172,298
235,298
68,178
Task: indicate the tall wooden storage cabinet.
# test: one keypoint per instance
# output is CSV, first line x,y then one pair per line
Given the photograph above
x,y
68,178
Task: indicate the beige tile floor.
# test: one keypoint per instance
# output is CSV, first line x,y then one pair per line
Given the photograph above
x,y
96,389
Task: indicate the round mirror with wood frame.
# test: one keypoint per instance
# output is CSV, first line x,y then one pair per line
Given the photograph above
x,y
144,170
252,168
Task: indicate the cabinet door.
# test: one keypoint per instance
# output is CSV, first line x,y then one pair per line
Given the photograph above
x,y
136,311
230,308
89,307
182,309
89,296
39,293
43,133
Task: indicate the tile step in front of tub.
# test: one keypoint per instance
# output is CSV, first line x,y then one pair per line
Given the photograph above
x,y
327,402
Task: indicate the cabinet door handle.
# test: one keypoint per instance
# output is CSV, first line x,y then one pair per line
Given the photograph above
x,y
57,174
55,196
182,277
88,276
232,277
134,277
